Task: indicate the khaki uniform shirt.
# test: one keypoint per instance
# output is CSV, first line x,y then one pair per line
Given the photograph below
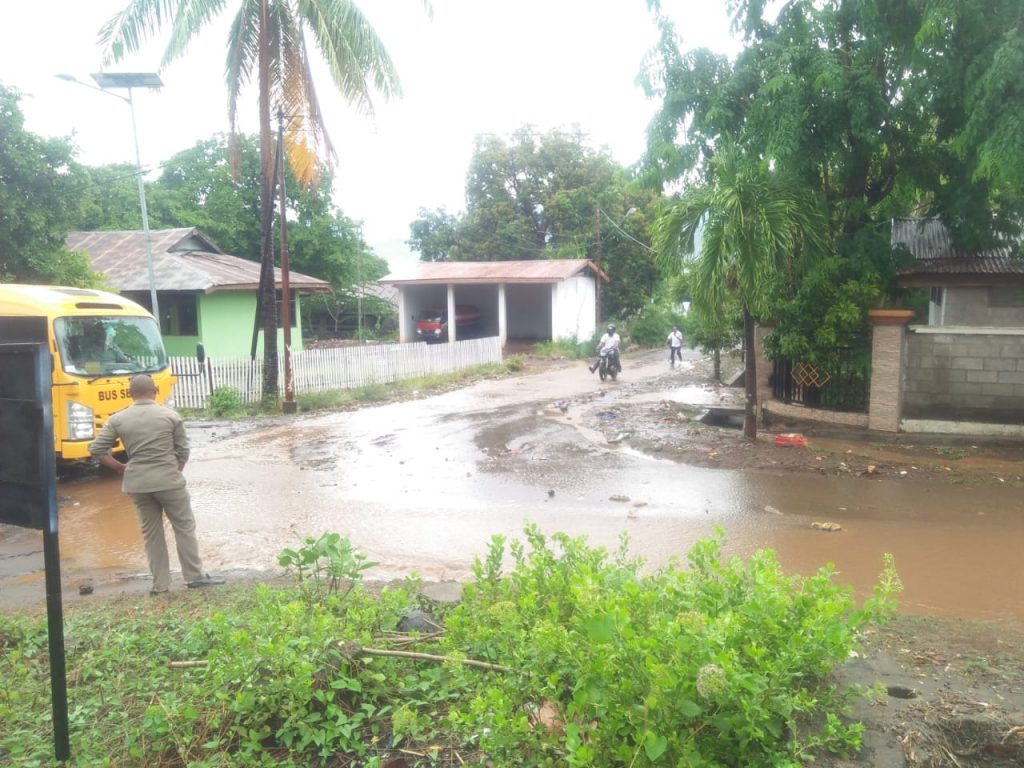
x,y
155,439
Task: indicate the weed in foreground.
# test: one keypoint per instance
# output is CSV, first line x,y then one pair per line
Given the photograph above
x,y
596,663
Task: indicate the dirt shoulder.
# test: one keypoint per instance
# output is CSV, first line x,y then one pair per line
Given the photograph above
x,y
940,693
649,416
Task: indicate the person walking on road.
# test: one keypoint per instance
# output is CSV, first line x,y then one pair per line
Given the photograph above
x,y
154,437
675,346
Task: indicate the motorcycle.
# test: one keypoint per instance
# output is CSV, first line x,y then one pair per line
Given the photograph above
x,y
609,364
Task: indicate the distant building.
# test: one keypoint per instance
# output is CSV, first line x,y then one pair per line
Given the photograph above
x,y
205,295
520,300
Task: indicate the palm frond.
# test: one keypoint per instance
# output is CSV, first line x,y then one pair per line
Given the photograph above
x,y
243,51
355,55
189,20
124,32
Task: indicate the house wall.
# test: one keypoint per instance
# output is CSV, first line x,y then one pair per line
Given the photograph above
x,y
972,307
225,327
573,313
964,375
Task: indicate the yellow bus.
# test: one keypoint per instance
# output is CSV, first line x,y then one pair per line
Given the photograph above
x,y
97,342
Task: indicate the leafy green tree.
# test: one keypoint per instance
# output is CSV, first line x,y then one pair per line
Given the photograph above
x,y
268,38
883,107
549,196
112,200
433,234
737,231
40,195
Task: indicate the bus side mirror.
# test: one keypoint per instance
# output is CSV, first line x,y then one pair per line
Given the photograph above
x,y
200,353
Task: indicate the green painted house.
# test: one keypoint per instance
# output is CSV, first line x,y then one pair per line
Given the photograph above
x,y
206,296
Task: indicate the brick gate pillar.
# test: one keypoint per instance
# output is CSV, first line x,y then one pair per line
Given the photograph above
x,y
885,408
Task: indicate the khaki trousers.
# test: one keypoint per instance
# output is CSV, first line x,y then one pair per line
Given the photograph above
x,y
151,508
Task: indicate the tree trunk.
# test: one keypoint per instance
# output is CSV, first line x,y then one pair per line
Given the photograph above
x,y
268,285
749,377
717,357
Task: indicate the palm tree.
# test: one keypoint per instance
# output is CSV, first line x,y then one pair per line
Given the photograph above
x,y
732,234
269,37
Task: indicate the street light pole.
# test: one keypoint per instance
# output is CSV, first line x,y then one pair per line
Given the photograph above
x,y
129,80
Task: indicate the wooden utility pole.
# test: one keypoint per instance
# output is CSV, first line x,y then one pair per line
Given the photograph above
x,y
597,261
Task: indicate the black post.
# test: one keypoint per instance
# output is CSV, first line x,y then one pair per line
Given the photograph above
x,y
55,634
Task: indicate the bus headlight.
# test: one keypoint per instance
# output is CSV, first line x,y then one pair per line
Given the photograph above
x,y
79,421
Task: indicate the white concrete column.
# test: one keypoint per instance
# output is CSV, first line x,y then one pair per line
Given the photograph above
x,y
453,334
404,323
502,319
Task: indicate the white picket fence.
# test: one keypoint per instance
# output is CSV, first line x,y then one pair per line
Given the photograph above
x,y
322,370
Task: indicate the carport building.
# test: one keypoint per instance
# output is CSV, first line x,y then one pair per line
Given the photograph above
x,y
520,300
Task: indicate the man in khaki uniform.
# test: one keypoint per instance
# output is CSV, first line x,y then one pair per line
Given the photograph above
x,y
157,446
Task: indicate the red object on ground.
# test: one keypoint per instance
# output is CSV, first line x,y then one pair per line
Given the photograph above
x,y
791,439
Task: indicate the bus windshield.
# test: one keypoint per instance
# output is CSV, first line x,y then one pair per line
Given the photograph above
x,y
109,346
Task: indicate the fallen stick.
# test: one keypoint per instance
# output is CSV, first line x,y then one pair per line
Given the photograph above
x,y
350,650
187,664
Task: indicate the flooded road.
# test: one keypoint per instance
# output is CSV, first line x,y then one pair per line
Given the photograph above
x,y
422,485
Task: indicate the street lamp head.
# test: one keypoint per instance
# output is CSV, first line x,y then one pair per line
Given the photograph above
x,y
126,79
69,78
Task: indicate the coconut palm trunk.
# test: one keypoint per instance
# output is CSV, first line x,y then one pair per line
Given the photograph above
x,y
268,285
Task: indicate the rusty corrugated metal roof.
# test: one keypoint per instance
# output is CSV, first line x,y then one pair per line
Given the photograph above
x,y
455,272
931,245
184,259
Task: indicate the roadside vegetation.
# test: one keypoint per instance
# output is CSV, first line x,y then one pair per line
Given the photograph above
x,y
558,654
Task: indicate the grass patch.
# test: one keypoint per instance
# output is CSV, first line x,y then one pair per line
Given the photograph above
x,y
593,661
563,348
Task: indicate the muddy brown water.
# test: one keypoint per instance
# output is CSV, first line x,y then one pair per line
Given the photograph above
x,y
422,485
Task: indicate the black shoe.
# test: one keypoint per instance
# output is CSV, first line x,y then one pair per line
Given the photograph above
x,y
204,581
591,368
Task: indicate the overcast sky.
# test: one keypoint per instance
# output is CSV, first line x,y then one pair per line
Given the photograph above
x,y
480,66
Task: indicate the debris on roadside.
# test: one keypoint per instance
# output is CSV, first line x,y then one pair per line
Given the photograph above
x,y
827,527
791,440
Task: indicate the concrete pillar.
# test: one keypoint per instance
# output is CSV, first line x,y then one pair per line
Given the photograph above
x,y
502,319
764,367
453,334
406,326
888,341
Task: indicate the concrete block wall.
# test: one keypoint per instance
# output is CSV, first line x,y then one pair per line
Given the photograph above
x,y
966,374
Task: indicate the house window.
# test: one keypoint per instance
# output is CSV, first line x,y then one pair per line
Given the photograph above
x,y
293,318
936,296
179,311
1006,296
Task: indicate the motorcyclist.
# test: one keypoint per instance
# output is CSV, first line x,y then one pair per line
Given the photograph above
x,y
609,341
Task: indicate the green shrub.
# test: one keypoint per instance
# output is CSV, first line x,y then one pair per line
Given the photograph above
x,y
652,326
225,403
724,664
325,566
